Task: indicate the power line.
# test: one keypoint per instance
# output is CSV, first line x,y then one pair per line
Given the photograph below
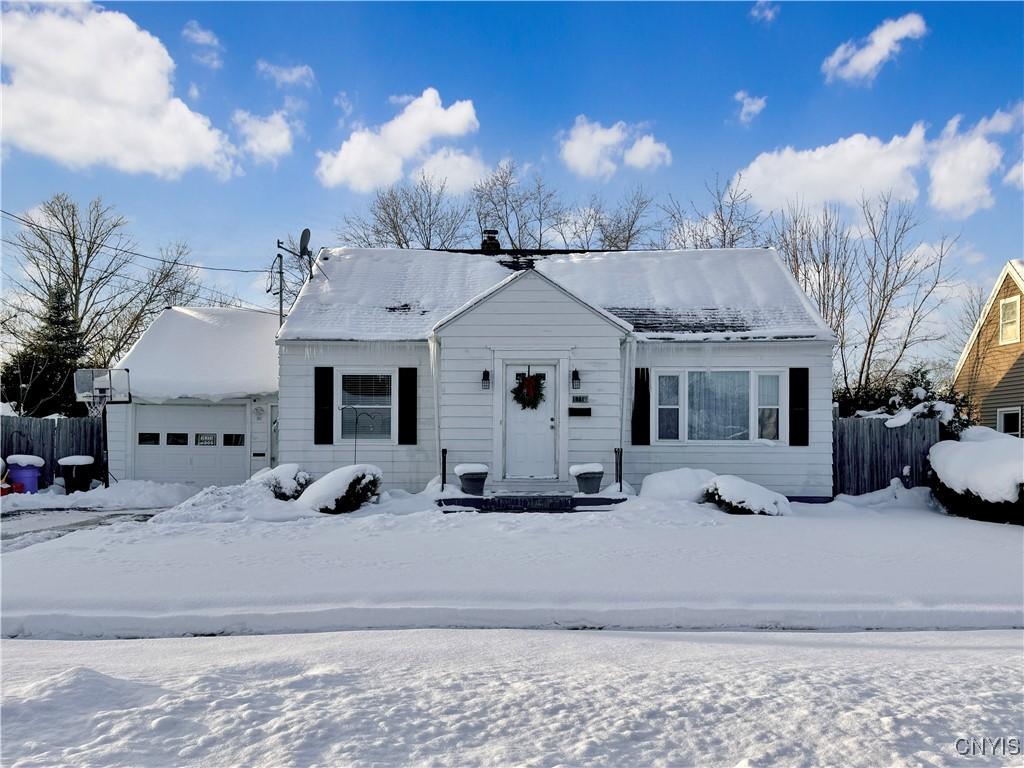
x,y
212,294
118,249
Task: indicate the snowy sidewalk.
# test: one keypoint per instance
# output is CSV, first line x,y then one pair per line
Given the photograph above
x,y
645,564
507,697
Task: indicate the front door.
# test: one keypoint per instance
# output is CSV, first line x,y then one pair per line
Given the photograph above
x,y
530,432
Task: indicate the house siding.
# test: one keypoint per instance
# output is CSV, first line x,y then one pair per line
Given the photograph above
x,y
790,470
993,373
530,321
404,466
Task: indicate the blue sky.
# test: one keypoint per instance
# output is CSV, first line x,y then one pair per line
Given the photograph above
x,y
255,151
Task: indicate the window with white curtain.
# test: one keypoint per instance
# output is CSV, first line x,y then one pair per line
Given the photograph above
x,y
668,407
718,405
768,406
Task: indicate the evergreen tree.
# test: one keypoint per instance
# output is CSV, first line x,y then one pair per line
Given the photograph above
x,y
39,377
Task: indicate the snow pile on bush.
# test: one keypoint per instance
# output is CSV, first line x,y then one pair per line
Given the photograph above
x,y
127,494
742,497
984,462
683,484
286,481
345,489
917,397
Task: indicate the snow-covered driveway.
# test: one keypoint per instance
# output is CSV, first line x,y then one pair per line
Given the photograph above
x,y
514,697
891,563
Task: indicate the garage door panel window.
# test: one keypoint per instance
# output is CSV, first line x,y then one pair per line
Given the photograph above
x,y
206,438
232,440
149,438
367,403
177,438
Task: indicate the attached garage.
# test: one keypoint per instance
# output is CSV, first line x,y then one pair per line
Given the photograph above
x,y
204,399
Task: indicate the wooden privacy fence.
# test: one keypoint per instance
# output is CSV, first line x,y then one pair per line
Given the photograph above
x,y
867,455
52,439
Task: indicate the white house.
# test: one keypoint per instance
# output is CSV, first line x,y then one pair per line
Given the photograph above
x,y
709,359
204,398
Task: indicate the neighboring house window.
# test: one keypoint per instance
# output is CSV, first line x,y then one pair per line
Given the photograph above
x,y
1009,320
668,408
718,406
149,438
768,406
1008,421
371,401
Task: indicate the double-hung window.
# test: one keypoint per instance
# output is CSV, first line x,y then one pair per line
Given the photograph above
x,y
367,402
768,406
668,407
1009,320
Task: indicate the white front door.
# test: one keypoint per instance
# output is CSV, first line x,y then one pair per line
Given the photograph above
x,y
530,433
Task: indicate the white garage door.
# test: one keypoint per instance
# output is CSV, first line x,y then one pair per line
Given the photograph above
x,y
198,444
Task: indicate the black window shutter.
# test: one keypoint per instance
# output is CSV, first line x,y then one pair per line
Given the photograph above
x,y
641,432
323,406
407,406
799,406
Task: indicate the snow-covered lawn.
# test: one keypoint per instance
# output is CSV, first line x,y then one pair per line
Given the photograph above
x,y
883,561
514,697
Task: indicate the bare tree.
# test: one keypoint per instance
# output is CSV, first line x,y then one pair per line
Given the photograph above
x,y
972,304
623,227
419,214
729,221
580,226
88,252
527,214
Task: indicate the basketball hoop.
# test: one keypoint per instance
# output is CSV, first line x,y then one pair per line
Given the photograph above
x,y
100,387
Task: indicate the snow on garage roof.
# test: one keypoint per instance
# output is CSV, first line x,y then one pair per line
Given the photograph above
x,y
392,294
209,353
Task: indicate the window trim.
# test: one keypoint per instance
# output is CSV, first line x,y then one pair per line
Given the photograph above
x,y
1000,412
752,403
340,371
1015,300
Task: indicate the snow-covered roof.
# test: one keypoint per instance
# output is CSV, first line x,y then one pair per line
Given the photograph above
x,y
391,294
210,353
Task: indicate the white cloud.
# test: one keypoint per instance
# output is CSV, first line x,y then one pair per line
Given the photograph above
x,y
344,103
593,151
862,60
373,157
646,152
750,106
765,11
400,99
300,75
1015,176
193,91
87,87
209,46
461,170
962,164
265,139
842,172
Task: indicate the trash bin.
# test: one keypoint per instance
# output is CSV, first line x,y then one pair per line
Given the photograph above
x,y
472,478
77,472
24,471
588,477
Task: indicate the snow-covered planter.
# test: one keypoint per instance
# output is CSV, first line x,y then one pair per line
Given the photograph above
x,y
683,484
285,481
588,477
472,478
981,476
76,472
742,497
343,490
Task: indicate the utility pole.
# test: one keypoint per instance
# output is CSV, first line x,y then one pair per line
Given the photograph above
x,y
303,252
280,290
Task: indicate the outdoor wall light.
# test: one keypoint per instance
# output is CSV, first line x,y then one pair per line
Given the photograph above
x,y
576,384
485,380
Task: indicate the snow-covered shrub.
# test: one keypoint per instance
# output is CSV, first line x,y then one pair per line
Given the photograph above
x,y
285,481
683,484
914,395
981,476
345,489
742,497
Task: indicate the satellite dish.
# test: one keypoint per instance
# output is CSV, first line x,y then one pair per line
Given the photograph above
x,y
304,241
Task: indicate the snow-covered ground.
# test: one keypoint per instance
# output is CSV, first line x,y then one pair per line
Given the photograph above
x,y
887,560
513,697
128,494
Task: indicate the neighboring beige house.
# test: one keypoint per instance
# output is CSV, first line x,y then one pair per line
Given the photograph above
x,y
991,367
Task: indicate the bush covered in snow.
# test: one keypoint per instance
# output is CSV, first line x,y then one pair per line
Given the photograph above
x,y
286,481
912,395
344,490
742,497
981,476
683,484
